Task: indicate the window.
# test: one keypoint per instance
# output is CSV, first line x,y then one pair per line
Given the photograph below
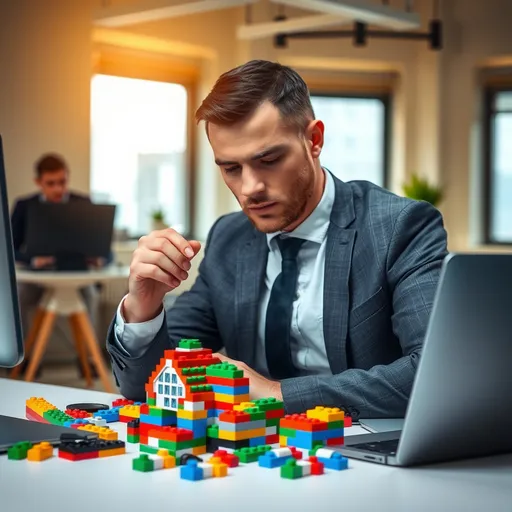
x,y
180,391
139,151
167,377
166,390
161,377
356,132
173,403
498,166
174,391
160,389
166,402
174,378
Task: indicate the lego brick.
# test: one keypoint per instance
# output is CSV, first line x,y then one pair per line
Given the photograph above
x,y
198,427
229,459
335,441
19,451
272,439
103,432
330,458
291,470
194,406
191,471
244,434
270,431
251,454
277,457
78,457
212,431
273,422
244,405
193,370
287,432
159,412
84,449
234,417
39,405
192,415
174,434
302,422
121,402
129,411
326,414
190,344
225,370
199,450
78,414
230,390
32,416
175,447
109,415
57,417
96,420
240,427
143,463
269,404
223,406
257,441
40,452
168,421
196,379
333,425
213,444
231,399
130,438
112,452
223,381
199,396
272,414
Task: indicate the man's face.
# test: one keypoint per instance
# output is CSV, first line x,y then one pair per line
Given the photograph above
x,y
268,167
53,185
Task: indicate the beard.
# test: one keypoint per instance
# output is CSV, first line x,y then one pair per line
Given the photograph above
x,y
300,192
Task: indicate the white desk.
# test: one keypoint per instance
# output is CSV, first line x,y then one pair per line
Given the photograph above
x,y
62,297
482,485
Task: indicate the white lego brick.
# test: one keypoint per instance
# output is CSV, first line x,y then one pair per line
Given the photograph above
x,y
270,431
153,441
306,467
98,421
282,452
207,469
158,462
193,406
324,453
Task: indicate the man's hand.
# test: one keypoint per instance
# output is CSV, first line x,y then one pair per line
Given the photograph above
x,y
42,261
159,264
260,387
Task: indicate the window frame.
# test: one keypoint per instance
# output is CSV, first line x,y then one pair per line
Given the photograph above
x,y
489,113
385,98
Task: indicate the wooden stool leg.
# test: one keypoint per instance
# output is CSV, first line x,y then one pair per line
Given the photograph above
x,y
80,348
40,344
89,337
29,340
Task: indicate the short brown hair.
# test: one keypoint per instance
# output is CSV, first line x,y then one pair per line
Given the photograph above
x,y
50,162
238,92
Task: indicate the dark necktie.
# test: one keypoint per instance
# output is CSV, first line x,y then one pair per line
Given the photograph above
x,y
279,312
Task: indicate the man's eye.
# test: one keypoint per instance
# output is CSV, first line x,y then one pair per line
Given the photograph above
x,y
271,161
231,169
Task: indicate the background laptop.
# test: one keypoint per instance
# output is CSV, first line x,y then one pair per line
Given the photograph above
x,y
13,430
460,405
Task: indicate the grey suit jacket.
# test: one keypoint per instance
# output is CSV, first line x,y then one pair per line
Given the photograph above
x,y
383,259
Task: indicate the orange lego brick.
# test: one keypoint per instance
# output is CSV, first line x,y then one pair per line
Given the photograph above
x,y
242,435
169,460
302,422
173,434
40,452
199,450
192,415
234,416
231,399
220,470
103,432
111,453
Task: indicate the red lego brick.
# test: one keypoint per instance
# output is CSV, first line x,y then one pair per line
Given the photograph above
x,y
78,414
33,416
302,422
296,454
133,431
317,468
121,402
235,417
174,434
273,439
221,381
144,409
201,396
227,458
224,406
335,441
81,456
347,421
143,439
273,414
125,419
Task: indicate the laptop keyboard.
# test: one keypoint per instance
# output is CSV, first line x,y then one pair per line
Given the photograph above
x,y
385,447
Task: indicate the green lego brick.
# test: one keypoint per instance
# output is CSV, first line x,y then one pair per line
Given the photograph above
x,y
255,413
56,417
196,379
272,422
148,449
213,431
318,444
226,370
158,412
190,344
194,370
247,455
268,404
19,451
151,401
335,424
181,445
143,463
132,439
203,388
290,470
181,407
287,432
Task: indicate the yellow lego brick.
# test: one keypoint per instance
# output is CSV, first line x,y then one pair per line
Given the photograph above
x,y
326,414
40,452
242,435
103,432
243,406
231,399
199,450
283,441
111,453
220,470
192,415
39,405
169,460
132,411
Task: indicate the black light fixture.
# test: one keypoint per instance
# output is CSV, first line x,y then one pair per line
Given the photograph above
x,y
360,32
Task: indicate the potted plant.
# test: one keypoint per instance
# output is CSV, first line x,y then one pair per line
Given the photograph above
x,y
420,189
158,218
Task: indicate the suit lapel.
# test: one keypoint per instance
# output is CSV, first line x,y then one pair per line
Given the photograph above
x,y
250,271
338,263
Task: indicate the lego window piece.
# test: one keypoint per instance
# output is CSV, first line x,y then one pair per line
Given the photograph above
x,y
174,378
174,391
167,377
161,378
180,391
173,403
166,402
167,388
160,388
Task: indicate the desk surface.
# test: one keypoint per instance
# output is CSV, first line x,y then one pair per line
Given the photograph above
x,y
111,484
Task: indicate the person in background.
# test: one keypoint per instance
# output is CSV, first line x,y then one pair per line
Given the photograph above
x,y
52,180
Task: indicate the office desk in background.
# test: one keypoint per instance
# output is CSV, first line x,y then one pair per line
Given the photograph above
x,y
62,297
111,484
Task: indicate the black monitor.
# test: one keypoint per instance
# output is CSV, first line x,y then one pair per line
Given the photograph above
x,y
71,232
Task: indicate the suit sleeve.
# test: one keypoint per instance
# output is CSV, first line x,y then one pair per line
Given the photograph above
x,y
18,220
191,316
416,252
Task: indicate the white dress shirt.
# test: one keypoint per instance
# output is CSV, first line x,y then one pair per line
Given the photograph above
x,y
309,355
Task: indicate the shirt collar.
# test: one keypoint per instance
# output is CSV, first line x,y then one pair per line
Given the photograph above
x,y
65,198
314,228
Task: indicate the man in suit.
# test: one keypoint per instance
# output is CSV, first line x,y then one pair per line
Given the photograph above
x,y
320,290
52,180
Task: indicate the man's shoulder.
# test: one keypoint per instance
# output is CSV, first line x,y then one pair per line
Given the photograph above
x,y
77,196
232,226
26,199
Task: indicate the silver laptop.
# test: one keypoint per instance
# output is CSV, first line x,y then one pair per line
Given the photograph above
x,y
461,402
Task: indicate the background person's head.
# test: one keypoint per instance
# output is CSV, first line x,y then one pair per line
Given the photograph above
x,y
52,177
263,132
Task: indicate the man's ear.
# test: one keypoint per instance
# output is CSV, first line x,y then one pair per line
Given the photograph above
x,y
315,137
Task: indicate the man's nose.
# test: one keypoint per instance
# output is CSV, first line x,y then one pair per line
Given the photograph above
x,y
251,184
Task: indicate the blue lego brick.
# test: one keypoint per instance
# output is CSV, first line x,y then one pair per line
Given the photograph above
x,y
212,413
257,441
191,471
168,421
198,427
336,462
230,390
109,415
270,460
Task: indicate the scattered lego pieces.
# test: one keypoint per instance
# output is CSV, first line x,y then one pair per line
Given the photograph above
x,y
85,449
195,470
161,460
252,454
330,458
293,468
19,451
40,452
278,457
